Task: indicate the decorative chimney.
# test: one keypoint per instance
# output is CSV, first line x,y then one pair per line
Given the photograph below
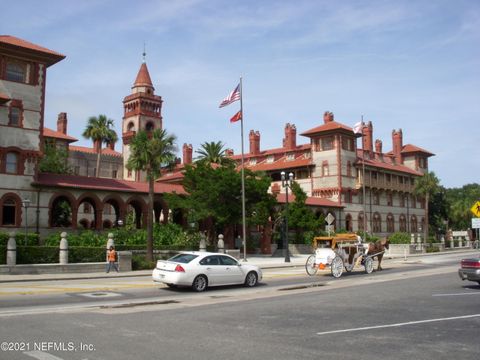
x,y
367,138
397,141
378,146
111,146
328,117
187,153
229,152
62,123
290,140
254,142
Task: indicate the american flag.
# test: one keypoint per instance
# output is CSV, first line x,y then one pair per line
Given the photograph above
x,y
232,97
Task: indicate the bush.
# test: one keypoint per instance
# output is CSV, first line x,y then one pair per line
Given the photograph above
x,y
32,239
399,238
37,255
140,263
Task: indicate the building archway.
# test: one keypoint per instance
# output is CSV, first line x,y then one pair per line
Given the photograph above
x,y
413,224
90,207
113,209
402,223
349,223
10,206
377,223
62,210
362,221
137,208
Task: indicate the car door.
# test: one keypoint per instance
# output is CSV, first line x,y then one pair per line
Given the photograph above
x,y
231,271
210,266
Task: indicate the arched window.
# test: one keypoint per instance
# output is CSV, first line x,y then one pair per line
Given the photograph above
x,y
130,126
11,163
149,126
403,223
348,223
9,211
361,222
413,224
390,223
377,223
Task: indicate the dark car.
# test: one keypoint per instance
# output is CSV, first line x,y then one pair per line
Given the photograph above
x,y
470,269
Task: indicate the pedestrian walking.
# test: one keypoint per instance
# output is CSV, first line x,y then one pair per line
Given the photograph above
x,y
111,259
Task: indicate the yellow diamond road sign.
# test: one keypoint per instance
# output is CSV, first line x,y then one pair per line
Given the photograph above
x,y
476,209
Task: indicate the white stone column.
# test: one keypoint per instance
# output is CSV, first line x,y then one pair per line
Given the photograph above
x,y
221,244
63,249
11,250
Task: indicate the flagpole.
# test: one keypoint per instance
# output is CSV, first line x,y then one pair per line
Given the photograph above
x,y
243,179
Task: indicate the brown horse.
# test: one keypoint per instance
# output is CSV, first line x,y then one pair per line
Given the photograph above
x,y
378,246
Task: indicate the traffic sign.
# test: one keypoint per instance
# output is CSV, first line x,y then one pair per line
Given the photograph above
x,y
330,218
475,209
476,223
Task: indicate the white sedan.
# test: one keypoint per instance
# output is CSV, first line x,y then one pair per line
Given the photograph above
x,y
203,269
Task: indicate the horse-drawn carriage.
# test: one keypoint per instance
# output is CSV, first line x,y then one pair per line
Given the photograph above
x,y
344,251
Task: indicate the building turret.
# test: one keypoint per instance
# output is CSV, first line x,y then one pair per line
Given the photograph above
x,y
254,138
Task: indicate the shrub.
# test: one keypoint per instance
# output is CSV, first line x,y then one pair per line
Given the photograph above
x,y
32,239
37,255
399,238
140,263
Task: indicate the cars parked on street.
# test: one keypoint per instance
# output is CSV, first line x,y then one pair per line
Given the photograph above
x,y
201,270
470,269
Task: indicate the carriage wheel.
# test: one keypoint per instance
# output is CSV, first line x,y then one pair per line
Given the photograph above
x,y
368,263
336,267
310,265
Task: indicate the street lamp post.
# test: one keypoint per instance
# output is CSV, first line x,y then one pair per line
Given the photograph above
x,y
25,204
286,183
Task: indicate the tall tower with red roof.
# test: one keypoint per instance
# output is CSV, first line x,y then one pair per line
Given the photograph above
x,y
142,110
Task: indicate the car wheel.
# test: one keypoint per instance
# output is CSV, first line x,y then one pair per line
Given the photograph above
x,y
200,283
252,279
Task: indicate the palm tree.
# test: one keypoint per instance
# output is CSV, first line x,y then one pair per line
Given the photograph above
x,y
100,130
149,151
426,186
213,153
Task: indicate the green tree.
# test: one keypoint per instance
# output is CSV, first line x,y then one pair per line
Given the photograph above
x,y
149,151
213,152
460,200
426,186
300,216
54,160
215,193
100,131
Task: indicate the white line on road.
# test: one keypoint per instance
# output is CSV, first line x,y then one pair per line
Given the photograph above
x,y
398,324
40,355
458,294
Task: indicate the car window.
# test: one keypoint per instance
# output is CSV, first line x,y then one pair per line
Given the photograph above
x,y
226,260
210,260
183,258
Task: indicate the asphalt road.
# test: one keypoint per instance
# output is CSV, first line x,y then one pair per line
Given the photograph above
x,y
419,310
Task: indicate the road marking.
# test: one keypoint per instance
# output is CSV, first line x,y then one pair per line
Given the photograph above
x,y
40,355
458,294
398,324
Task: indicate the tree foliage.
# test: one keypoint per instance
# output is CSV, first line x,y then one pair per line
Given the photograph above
x,y
214,192
426,186
213,153
149,151
54,160
300,216
100,129
459,201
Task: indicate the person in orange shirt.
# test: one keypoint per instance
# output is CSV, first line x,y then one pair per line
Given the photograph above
x,y
111,258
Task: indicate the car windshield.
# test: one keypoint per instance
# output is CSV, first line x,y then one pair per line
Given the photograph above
x,y
183,258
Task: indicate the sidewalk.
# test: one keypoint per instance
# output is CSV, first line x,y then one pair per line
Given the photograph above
x,y
265,262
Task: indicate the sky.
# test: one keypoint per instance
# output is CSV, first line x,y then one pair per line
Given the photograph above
x,y
404,64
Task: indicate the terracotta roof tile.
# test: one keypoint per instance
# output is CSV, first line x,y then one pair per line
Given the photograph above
x,y
12,41
143,77
89,150
409,148
328,127
57,135
94,183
